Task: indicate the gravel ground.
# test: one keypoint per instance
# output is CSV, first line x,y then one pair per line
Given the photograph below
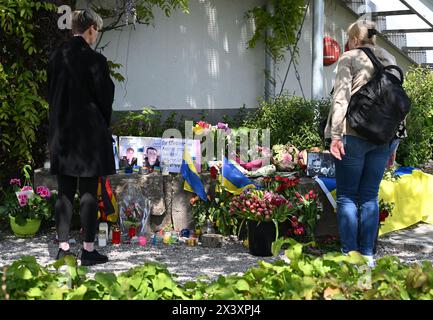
x,y
186,262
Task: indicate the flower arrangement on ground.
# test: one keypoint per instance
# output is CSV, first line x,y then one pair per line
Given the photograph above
x,y
385,210
22,202
132,215
307,206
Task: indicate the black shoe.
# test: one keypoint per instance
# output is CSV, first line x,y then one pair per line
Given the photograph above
x,y
62,253
89,258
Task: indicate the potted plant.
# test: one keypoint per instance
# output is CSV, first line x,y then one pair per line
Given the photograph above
x,y
25,207
263,211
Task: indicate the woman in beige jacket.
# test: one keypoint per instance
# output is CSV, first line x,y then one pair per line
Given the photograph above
x,y
359,164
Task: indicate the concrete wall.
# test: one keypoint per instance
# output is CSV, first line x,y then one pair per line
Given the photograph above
x,y
200,61
196,61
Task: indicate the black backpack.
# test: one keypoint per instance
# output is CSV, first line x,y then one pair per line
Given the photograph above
x,y
376,110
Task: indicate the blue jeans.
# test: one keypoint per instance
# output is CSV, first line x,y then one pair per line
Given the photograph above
x,y
358,176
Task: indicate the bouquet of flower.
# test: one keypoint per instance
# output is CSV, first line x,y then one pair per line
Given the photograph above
x,y
285,157
385,210
204,128
261,205
134,209
309,209
282,185
23,203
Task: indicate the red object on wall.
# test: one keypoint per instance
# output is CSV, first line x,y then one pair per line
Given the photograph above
x,y
331,51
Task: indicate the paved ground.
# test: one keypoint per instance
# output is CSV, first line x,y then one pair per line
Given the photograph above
x,y
414,244
184,261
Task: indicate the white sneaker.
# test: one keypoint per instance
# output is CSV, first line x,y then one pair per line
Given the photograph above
x,y
370,261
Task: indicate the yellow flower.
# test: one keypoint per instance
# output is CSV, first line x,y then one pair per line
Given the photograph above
x,y
198,129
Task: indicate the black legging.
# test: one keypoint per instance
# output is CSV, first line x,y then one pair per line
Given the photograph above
x,y
88,206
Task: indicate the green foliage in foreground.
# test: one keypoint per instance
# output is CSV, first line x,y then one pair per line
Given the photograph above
x,y
331,276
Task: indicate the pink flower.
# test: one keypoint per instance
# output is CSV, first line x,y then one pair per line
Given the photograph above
x,y
203,124
224,126
43,191
299,231
27,188
22,199
287,157
221,125
15,182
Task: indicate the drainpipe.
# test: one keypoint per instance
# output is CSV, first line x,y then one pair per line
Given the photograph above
x,y
318,30
269,62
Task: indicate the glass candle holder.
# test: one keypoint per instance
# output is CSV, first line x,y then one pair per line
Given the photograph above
x,y
132,231
116,236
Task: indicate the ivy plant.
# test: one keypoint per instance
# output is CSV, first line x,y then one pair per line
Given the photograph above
x,y
284,22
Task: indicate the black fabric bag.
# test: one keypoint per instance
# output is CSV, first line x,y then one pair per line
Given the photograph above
x,y
376,110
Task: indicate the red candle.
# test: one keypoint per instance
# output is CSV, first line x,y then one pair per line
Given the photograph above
x,y
116,236
131,231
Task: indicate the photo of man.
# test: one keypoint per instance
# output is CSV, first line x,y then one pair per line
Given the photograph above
x,y
151,158
320,164
314,165
130,153
129,159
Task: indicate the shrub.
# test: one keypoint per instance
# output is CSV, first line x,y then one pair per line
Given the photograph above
x,y
291,120
148,123
416,149
330,276
23,110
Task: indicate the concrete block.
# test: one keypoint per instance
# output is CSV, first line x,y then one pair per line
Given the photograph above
x,y
211,240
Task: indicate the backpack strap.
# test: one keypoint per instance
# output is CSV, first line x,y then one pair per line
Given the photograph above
x,y
376,63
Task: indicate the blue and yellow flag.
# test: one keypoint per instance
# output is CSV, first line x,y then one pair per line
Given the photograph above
x,y
412,195
329,187
233,180
193,182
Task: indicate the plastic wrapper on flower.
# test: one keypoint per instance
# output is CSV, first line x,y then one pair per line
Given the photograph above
x,y
134,209
263,171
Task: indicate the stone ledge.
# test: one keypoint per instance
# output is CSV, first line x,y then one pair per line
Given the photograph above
x,y
170,203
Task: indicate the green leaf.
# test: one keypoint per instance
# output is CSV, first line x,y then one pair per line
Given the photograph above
x,y
136,281
24,273
106,279
242,285
77,294
70,261
162,281
306,268
34,292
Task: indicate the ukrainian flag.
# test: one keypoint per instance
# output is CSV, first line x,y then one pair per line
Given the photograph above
x,y
192,180
329,187
412,195
233,180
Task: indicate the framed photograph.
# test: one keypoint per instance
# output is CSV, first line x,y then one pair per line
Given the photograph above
x,y
116,151
129,152
320,164
150,155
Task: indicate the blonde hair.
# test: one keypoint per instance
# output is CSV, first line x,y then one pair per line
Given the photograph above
x,y
84,19
359,30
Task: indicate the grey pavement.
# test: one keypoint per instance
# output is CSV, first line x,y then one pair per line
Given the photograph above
x,y
417,238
